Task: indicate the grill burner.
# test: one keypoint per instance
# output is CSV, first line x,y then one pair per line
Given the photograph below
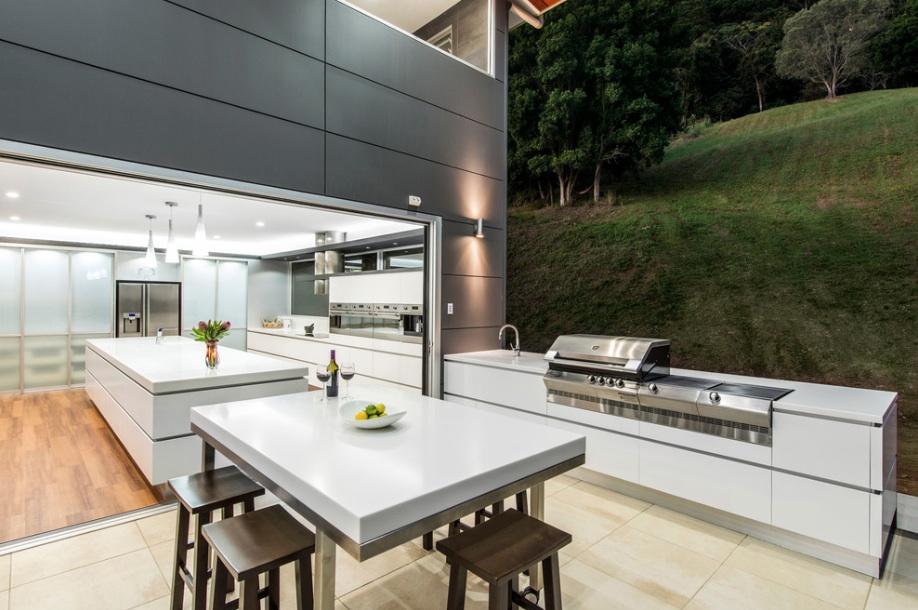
x,y
629,377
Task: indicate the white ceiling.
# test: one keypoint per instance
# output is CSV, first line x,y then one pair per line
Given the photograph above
x,y
408,15
68,206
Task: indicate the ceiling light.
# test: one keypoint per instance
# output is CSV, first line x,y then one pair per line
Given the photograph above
x,y
259,224
171,251
216,237
15,218
200,236
12,194
149,261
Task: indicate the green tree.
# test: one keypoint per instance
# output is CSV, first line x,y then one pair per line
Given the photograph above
x,y
896,49
828,43
756,42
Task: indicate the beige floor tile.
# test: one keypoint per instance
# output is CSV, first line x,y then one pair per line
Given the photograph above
x,y
602,502
822,580
733,588
562,481
5,572
4,600
158,528
351,574
903,555
157,604
118,583
421,585
696,535
586,588
894,594
586,527
899,583
57,557
667,571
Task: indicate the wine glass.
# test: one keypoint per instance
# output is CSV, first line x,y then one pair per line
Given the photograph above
x,y
347,371
323,375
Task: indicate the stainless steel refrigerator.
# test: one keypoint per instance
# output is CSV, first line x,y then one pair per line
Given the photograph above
x,y
145,307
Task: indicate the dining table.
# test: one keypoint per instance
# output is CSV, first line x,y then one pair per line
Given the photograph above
x,y
370,490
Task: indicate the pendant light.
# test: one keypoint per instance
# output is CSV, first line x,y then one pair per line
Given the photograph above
x,y
200,236
171,251
149,261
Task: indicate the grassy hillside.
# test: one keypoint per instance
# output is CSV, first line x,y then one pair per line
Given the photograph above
x,y
783,244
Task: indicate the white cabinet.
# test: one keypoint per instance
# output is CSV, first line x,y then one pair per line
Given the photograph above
x,y
382,287
833,450
518,390
615,455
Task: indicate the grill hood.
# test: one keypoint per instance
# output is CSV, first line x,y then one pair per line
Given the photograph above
x,y
632,358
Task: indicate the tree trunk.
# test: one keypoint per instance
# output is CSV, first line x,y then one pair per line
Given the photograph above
x,y
758,90
597,176
566,187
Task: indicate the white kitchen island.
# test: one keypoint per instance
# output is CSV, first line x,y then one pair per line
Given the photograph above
x,y
145,391
368,491
826,486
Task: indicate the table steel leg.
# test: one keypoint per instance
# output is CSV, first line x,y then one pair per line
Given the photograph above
x,y
208,455
537,510
325,571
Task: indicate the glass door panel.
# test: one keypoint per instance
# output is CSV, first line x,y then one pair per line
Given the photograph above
x,y
45,362
9,364
91,292
78,356
232,278
199,292
46,291
10,295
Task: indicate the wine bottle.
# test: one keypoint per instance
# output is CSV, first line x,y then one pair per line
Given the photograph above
x,y
331,388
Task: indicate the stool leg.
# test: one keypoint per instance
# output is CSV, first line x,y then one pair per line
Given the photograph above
x,y
304,599
181,557
457,577
552,576
273,589
218,592
497,596
201,561
521,504
514,588
228,512
248,594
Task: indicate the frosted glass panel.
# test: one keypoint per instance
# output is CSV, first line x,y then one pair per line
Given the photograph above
x,y
232,278
91,287
10,286
9,364
235,340
45,362
46,291
78,356
199,291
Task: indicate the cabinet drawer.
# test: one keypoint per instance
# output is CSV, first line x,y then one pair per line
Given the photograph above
x,y
612,454
833,513
824,448
734,487
523,391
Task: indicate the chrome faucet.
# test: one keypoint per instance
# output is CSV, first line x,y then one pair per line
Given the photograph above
x,y
500,337
159,334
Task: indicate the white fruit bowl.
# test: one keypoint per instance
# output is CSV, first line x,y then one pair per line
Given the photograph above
x,y
348,410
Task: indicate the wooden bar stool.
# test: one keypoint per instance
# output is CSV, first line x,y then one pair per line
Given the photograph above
x,y
258,542
201,495
498,551
522,505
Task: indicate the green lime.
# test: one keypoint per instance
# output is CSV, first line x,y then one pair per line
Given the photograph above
x,y
371,410
373,417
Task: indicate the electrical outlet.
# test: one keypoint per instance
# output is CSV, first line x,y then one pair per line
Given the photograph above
x,y
449,309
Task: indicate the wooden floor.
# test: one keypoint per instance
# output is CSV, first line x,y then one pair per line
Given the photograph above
x,y
60,465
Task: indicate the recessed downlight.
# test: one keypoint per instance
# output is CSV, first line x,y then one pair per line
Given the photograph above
x,y
216,237
15,218
259,224
12,194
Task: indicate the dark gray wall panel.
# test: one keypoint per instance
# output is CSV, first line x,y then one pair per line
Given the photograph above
x,y
363,110
362,45
363,172
298,24
459,340
464,254
477,301
62,104
167,44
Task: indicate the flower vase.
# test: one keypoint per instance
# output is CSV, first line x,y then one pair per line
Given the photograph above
x,y
211,356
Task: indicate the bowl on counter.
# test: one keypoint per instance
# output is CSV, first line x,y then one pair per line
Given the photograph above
x,y
348,410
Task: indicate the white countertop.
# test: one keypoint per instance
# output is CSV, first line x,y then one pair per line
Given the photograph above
x,y
367,483
386,334
177,364
835,402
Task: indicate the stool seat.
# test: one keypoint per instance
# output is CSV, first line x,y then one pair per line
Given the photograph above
x,y
258,542
199,496
498,551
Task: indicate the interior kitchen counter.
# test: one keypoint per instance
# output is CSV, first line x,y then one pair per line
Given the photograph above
x,y
835,402
177,364
386,334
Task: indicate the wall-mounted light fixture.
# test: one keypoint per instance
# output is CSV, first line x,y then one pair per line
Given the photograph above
x,y
200,236
479,228
171,251
149,261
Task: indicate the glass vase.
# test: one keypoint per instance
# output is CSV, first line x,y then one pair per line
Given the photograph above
x,y
211,356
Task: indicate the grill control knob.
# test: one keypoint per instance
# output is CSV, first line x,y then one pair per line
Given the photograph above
x,y
714,397
602,380
653,388
619,383
592,378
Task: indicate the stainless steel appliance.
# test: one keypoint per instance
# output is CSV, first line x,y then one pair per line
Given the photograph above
x,y
145,307
630,377
381,320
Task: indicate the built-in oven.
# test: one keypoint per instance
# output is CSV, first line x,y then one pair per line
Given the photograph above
x,y
395,321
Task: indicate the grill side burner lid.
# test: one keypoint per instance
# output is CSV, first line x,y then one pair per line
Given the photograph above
x,y
627,357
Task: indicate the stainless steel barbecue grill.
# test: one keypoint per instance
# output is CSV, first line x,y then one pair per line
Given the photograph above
x,y
630,377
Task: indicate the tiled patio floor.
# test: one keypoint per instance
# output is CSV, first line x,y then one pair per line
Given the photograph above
x,y
625,554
